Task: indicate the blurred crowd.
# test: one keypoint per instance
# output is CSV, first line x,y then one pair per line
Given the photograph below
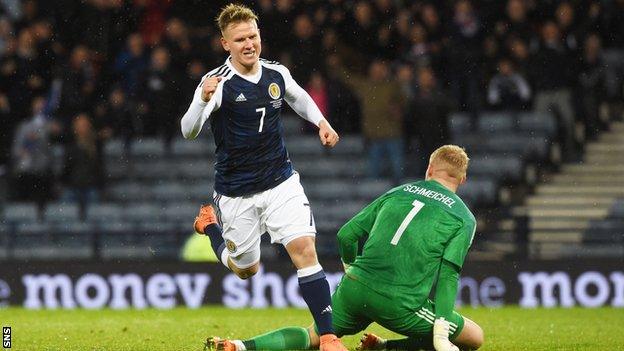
x,y
77,73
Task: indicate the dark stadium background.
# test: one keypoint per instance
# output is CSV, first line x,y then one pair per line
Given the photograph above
x,y
95,176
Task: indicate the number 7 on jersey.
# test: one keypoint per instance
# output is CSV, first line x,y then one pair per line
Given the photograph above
x,y
417,207
263,111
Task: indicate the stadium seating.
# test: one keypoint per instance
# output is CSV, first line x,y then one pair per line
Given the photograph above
x,y
153,192
580,212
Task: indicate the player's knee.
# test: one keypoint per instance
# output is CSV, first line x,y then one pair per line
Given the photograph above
x,y
308,253
471,337
247,273
476,337
303,252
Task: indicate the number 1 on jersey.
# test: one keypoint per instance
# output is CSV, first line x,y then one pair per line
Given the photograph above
x,y
417,207
263,111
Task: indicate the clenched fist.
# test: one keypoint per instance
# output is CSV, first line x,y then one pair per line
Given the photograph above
x,y
327,134
209,87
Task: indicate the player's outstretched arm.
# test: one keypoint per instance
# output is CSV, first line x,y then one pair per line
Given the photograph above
x,y
301,102
205,100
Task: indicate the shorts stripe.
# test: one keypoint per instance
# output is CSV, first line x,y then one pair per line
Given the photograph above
x,y
430,317
433,315
216,200
425,317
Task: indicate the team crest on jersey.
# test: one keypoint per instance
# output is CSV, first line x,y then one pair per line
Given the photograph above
x,y
230,246
274,91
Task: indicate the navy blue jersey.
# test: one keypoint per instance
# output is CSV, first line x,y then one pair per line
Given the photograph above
x,y
244,114
250,156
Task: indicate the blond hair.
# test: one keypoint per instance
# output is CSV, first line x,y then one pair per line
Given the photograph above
x,y
233,13
452,159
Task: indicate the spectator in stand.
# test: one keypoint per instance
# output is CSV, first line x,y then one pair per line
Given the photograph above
x,y
83,176
178,43
95,18
491,55
43,35
160,93
426,118
308,48
8,65
361,32
32,158
590,88
515,23
566,22
153,18
131,63
115,117
336,102
6,132
28,79
519,53
195,70
78,85
508,89
552,69
382,103
344,106
613,55
317,88
6,34
465,55
436,35
420,53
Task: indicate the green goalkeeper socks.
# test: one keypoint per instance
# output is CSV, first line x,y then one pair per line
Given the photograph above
x,y
289,338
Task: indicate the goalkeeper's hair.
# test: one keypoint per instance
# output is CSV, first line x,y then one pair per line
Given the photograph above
x,y
233,13
452,159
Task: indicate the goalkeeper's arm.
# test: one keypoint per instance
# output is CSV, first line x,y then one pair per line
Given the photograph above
x,y
348,238
446,291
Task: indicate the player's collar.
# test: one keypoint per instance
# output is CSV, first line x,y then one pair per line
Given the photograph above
x,y
254,78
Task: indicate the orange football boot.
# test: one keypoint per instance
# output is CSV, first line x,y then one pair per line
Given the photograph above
x,y
215,343
206,217
370,341
330,342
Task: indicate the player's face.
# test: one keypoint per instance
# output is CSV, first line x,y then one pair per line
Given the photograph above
x,y
242,40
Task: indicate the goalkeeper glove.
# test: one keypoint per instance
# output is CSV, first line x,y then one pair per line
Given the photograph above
x,y
441,331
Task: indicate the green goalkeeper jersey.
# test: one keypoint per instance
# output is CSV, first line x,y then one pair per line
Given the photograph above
x,y
410,229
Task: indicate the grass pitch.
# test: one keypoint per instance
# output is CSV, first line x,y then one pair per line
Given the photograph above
x,y
508,328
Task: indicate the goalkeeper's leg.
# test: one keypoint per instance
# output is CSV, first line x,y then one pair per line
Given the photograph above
x,y
288,338
469,338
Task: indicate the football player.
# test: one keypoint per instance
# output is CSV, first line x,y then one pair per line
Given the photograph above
x,y
418,237
256,188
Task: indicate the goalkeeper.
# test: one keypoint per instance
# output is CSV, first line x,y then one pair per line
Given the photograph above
x,y
418,236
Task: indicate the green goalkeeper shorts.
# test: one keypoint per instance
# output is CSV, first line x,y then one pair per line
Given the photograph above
x,y
355,306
